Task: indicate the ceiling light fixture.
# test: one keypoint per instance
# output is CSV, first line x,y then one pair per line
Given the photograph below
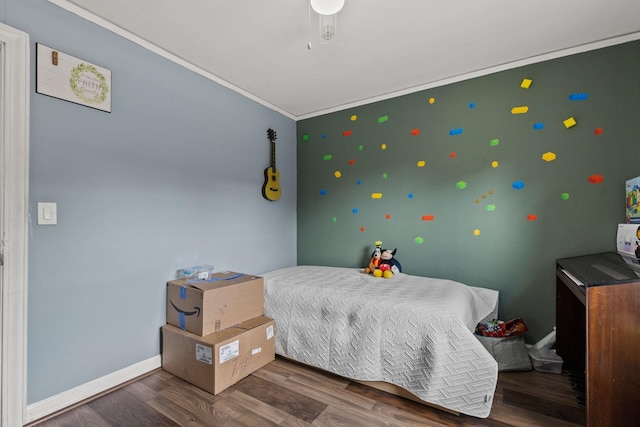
x,y
328,12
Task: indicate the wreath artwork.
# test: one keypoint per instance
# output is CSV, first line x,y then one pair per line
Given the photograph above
x,y
72,79
88,84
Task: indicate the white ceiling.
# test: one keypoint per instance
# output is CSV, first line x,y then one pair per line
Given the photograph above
x,y
383,48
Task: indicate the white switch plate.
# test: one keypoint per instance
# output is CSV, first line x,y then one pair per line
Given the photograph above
x,y
47,213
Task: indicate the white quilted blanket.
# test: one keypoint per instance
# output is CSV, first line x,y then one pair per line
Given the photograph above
x,y
411,331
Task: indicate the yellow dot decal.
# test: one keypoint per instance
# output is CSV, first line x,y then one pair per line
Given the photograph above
x,y
354,118
432,100
376,195
421,163
476,232
494,164
337,174
383,146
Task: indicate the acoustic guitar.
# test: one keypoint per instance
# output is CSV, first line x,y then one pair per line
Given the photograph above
x,y
271,188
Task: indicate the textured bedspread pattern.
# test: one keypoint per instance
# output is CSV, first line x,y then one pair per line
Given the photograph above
x,y
411,331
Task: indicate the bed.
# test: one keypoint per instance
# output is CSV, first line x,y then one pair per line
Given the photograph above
x,y
411,332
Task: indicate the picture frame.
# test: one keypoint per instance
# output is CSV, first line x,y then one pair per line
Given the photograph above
x,y
66,77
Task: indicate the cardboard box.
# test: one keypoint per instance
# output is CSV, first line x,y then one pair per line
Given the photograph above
x,y
226,299
216,361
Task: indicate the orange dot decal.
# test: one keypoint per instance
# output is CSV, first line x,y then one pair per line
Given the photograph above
x,y
347,133
428,217
415,132
532,217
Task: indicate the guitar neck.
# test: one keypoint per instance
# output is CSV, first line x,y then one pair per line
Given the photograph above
x,y
273,154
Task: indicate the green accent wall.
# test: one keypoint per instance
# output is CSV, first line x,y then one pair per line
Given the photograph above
x,y
500,195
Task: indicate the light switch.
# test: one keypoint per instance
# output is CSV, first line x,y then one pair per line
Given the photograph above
x,y
47,213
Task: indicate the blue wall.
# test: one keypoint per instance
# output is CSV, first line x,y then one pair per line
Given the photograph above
x,y
459,216
171,178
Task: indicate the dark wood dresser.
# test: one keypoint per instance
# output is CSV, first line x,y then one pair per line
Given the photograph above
x,y
598,334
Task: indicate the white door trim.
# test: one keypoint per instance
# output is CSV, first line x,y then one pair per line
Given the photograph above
x,y
14,150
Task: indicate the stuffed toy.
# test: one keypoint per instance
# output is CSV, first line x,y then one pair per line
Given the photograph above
x,y
375,259
388,265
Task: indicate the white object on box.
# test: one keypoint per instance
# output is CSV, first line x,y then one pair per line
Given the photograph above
x,y
197,273
545,360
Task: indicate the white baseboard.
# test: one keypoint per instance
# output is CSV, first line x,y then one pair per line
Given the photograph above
x,y
77,394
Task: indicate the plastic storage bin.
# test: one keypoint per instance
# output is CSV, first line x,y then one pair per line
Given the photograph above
x,y
545,360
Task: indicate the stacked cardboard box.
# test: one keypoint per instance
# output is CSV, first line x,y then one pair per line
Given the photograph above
x,y
216,333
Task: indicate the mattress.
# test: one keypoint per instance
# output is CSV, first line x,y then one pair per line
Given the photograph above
x,y
414,332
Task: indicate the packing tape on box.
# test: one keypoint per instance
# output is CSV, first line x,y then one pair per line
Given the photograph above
x,y
182,321
183,292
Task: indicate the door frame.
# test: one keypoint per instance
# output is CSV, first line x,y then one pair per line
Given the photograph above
x,y
14,215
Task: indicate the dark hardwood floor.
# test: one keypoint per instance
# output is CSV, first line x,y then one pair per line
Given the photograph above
x,y
285,393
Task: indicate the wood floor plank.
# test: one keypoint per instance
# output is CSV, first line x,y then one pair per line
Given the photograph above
x,y
293,403
80,416
121,408
250,411
543,405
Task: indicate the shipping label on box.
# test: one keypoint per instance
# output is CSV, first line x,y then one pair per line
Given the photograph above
x,y
216,361
205,307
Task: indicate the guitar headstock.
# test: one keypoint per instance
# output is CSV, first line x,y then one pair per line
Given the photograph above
x,y
271,134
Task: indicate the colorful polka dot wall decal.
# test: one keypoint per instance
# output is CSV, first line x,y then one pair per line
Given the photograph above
x,y
476,232
383,147
532,217
323,192
564,196
362,229
383,119
494,142
352,162
472,105
457,131
324,136
385,176
337,174
354,118
432,100
419,240
596,178
415,132
305,137
376,195
598,131
453,154
347,133
428,217
491,208
461,185
360,147
495,164
334,219
410,195
549,156
538,126
359,182
518,185
355,210
570,122
421,163
327,157
387,216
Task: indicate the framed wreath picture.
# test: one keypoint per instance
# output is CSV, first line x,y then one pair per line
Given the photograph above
x,y
65,77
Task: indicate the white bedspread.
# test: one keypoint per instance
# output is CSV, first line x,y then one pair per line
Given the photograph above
x,y
411,331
